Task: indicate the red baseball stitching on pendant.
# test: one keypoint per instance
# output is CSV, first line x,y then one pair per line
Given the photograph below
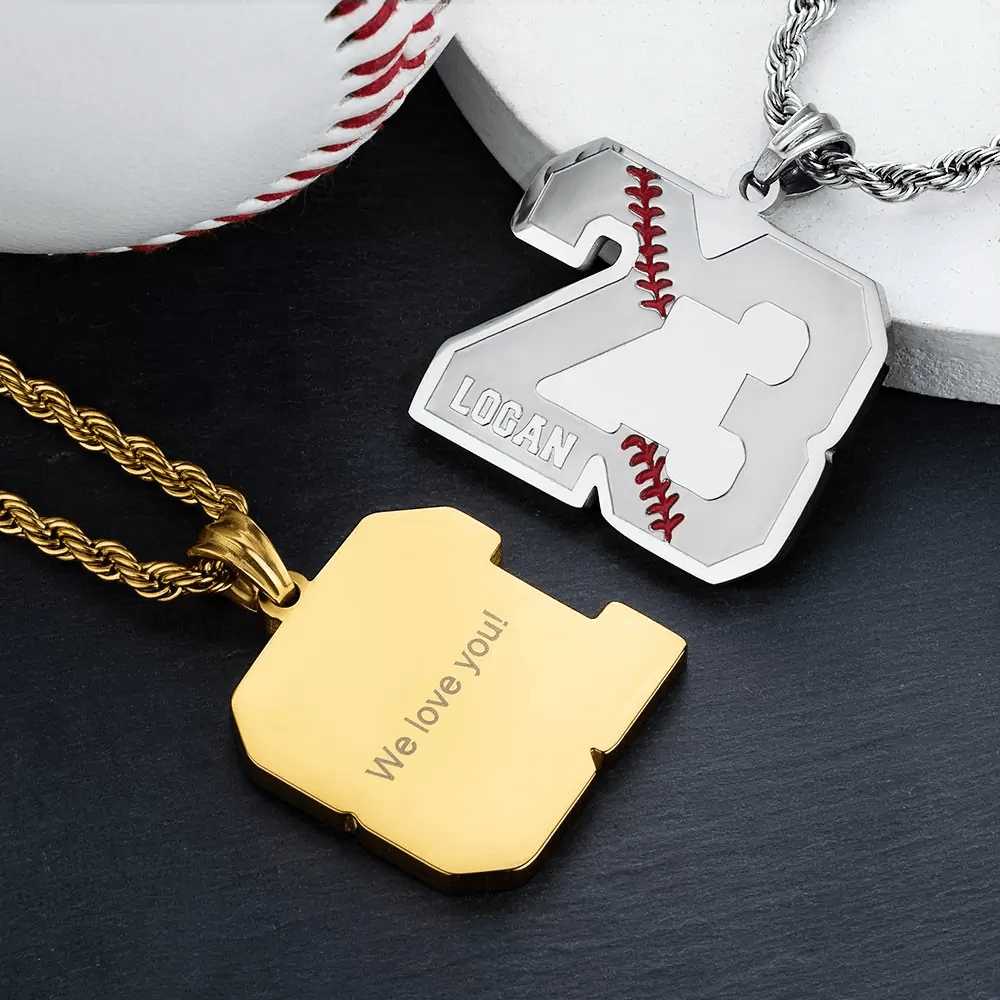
x,y
654,482
655,485
390,66
649,232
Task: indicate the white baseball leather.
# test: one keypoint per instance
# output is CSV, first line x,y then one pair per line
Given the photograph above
x,y
128,124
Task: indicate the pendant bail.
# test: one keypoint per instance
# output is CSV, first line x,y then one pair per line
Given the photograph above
x,y
237,541
807,130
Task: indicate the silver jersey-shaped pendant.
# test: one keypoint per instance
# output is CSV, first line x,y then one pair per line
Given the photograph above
x,y
697,385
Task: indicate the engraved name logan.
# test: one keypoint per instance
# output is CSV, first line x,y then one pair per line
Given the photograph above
x,y
506,418
431,712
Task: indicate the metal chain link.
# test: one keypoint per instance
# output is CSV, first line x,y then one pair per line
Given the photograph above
x,y
892,182
110,560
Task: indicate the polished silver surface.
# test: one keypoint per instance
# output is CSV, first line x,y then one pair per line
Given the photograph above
x,y
721,405
835,166
807,130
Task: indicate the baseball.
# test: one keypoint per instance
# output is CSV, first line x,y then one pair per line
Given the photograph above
x,y
133,125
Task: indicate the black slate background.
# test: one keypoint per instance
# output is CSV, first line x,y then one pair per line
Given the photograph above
x,y
811,812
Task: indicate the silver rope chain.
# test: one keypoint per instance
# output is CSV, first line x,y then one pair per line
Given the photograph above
x,y
834,167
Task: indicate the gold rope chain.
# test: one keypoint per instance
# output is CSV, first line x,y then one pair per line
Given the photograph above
x,y
138,456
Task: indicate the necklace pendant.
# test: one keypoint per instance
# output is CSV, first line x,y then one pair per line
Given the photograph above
x,y
449,715
697,386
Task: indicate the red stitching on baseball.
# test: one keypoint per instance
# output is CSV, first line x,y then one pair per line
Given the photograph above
x,y
344,8
336,148
401,65
416,62
649,232
311,175
276,195
377,65
230,219
390,66
378,21
370,89
655,485
372,116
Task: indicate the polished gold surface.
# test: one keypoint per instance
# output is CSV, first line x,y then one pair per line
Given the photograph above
x,y
105,558
447,713
236,540
444,711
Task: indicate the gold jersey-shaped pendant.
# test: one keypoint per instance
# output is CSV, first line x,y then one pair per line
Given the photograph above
x,y
444,711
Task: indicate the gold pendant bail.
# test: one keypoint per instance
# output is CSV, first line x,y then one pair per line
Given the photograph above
x,y
237,541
